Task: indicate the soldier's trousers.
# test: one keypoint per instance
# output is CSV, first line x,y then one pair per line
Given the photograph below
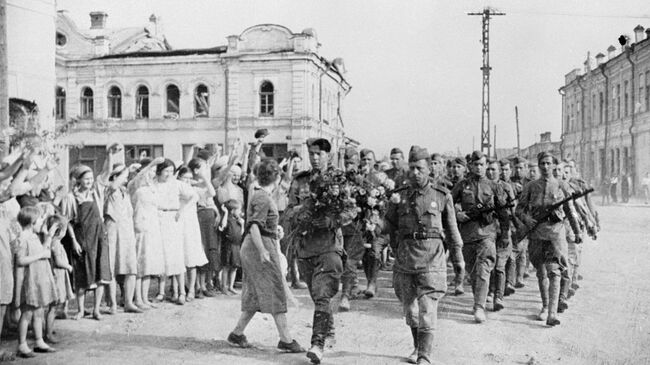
x,y
419,295
570,274
498,279
545,255
517,263
480,257
372,258
354,252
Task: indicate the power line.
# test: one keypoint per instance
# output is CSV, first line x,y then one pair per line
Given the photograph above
x,y
580,15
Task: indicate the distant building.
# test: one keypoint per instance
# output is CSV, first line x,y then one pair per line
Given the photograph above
x,y
545,144
606,112
129,85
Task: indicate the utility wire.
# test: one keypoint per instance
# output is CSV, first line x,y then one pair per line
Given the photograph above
x,y
643,16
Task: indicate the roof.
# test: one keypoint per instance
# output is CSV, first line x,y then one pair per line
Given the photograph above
x,y
171,53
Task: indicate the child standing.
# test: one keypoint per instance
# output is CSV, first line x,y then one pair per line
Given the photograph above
x,y
61,270
232,230
37,290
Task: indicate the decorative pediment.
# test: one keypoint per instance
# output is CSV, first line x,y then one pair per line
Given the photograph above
x,y
265,37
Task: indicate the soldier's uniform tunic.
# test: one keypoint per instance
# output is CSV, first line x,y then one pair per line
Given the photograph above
x,y
548,247
503,243
519,255
479,235
422,219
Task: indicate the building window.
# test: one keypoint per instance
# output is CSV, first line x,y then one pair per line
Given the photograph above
x,y
625,100
618,101
601,111
114,102
277,151
173,100
87,105
266,99
60,103
201,101
135,153
91,156
142,103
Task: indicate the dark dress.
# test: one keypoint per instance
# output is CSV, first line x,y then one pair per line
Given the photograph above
x,y
264,285
231,237
93,265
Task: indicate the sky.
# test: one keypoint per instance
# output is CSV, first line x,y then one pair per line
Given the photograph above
x,y
415,65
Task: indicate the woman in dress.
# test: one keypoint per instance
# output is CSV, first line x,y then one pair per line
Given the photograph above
x,y
118,217
172,197
192,245
83,207
264,284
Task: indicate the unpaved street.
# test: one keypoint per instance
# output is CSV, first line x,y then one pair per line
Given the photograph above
x,y
607,322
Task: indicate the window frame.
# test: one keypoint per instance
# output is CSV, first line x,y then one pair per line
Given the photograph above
x,y
141,102
114,102
201,103
267,100
60,99
87,103
167,100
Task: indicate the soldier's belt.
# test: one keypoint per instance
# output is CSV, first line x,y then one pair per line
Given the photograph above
x,y
427,235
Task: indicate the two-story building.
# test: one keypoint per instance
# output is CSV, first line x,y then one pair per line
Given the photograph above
x,y
606,112
129,85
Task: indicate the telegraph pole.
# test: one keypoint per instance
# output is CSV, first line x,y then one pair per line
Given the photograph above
x,y
495,141
486,14
517,122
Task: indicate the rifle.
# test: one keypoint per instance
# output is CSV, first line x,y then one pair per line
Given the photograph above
x,y
480,209
545,214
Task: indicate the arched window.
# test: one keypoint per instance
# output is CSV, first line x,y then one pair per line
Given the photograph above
x,y
114,102
87,105
201,101
60,103
266,99
142,103
173,99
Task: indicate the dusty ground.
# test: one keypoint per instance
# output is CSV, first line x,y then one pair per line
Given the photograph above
x,y
607,322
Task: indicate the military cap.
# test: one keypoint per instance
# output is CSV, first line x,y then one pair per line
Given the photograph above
x,y
322,143
364,152
261,133
436,155
351,154
396,150
532,164
544,154
476,155
459,161
418,153
518,160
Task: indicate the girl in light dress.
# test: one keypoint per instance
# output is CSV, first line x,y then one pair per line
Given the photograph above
x,y
172,197
192,245
36,288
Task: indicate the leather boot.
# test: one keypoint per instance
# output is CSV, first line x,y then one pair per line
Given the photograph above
x,y
372,279
553,300
425,346
320,328
543,293
413,357
330,338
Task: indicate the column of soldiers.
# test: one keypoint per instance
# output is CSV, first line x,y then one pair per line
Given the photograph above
x,y
488,217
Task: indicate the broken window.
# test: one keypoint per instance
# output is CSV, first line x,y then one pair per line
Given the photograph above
x,y
142,103
201,101
173,101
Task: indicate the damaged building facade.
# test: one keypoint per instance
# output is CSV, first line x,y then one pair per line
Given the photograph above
x,y
606,112
129,85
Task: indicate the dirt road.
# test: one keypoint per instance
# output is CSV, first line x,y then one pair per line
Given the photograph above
x,y
607,322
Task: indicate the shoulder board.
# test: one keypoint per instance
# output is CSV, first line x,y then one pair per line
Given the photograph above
x,y
441,188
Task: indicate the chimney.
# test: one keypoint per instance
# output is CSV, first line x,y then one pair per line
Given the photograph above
x,y
600,59
545,137
638,33
102,46
154,20
611,52
98,20
588,63
233,43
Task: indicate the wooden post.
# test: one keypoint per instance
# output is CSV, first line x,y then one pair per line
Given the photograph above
x,y
517,122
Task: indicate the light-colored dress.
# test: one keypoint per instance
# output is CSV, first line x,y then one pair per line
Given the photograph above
x,y
61,276
149,249
192,245
168,197
118,217
37,287
6,263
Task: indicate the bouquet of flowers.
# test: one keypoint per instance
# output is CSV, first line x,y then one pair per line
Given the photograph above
x,y
328,198
372,199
